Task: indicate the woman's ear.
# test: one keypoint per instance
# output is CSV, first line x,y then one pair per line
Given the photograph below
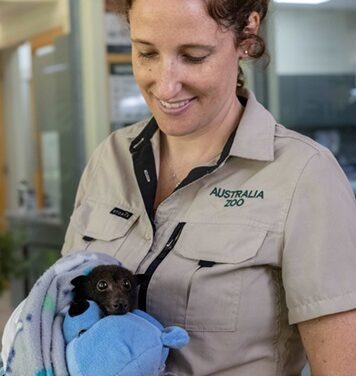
x,y
254,21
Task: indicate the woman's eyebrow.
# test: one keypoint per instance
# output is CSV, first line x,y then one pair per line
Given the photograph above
x,y
141,41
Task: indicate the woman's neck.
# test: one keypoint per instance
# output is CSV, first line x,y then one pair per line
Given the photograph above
x,y
179,155
198,148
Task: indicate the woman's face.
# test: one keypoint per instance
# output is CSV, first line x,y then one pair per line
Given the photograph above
x,y
185,66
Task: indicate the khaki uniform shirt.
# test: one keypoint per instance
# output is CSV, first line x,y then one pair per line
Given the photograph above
x,y
259,240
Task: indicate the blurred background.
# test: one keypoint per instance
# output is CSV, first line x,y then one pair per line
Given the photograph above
x,y
66,82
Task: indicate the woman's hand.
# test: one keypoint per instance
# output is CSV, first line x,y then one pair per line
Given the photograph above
x,y
330,344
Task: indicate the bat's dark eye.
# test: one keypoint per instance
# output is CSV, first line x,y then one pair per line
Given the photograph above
x,y
102,285
126,284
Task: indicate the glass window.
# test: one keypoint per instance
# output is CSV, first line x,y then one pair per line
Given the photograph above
x,y
311,83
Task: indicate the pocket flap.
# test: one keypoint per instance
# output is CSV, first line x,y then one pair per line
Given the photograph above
x,y
103,221
224,243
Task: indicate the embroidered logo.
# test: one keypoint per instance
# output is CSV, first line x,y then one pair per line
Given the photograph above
x,y
236,198
121,213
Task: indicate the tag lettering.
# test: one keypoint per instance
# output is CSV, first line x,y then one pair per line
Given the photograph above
x,y
121,213
236,197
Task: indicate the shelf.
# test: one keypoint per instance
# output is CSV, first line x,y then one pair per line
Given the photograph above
x,y
118,58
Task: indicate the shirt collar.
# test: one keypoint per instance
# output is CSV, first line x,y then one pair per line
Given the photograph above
x,y
254,137
145,135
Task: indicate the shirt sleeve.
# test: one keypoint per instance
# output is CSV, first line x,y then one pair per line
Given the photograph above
x,y
319,257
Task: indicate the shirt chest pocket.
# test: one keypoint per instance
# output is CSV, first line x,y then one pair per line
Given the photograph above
x,y
102,227
204,274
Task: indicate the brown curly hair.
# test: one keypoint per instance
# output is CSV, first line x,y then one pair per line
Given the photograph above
x,y
228,14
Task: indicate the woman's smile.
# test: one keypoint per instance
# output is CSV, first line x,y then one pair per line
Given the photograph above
x,y
175,107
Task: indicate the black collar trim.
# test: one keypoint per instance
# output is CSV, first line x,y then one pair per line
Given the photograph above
x,y
145,170
145,136
144,166
199,172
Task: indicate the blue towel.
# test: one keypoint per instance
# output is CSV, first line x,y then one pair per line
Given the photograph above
x,y
39,347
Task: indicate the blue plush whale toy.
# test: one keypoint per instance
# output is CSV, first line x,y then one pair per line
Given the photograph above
x,y
134,344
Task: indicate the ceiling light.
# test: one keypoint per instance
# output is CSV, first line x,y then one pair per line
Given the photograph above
x,y
307,2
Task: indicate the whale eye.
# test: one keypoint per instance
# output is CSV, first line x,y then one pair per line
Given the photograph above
x,y
126,284
102,285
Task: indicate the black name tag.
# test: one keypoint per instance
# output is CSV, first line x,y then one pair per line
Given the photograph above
x,y
121,213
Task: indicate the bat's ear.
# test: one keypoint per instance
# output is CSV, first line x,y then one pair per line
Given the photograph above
x,y
78,307
78,281
140,278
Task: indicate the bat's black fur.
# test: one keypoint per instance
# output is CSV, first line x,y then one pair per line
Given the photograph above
x,y
112,287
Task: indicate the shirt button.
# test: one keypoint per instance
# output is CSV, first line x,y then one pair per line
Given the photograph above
x,y
148,237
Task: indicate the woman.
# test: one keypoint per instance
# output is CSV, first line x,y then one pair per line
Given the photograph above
x,y
244,229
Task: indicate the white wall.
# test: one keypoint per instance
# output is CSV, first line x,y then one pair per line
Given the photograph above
x,y
17,119
23,20
310,41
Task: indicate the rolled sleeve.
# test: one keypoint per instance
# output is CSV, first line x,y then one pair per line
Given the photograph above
x,y
319,257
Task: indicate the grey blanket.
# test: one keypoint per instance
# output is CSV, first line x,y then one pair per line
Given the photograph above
x,y
38,348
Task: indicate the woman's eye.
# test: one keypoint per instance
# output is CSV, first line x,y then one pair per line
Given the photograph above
x,y
126,284
194,59
147,55
187,58
102,285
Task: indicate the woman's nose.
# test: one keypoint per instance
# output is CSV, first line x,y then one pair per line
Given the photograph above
x,y
168,82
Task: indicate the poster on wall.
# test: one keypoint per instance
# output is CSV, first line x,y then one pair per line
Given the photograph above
x,y
117,34
126,101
